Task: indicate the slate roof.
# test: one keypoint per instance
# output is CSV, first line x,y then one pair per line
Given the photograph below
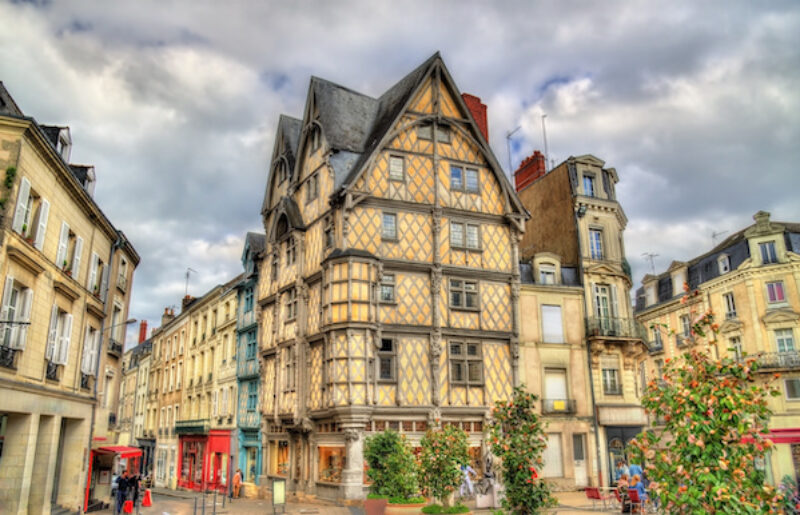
x,y
7,104
257,242
290,128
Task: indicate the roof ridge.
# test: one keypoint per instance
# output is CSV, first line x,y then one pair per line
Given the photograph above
x,y
314,79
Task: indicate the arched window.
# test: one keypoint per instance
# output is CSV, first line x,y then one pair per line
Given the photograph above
x,y
282,227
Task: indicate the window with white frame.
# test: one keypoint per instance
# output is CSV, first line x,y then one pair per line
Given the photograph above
x,y
389,226
775,292
686,326
466,363
547,273
15,314
30,214
768,254
387,288
792,386
386,360
730,305
291,304
724,263
396,168
611,384
465,235
91,351
552,325
463,294
471,180
59,335
588,185
426,132
596,243
784,340
735,346
657,338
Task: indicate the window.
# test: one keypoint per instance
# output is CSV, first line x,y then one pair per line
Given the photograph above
x,y
552,327
387,288
274,266
547,273
386,354
657,343
471,184
389,226
280,168
465,235
555,389
768,254
611,384
396,168
724,263
30,215
328,236
16,307
312,188
252,396
466,364
426,132
289,371
588,185
251,345
775,292
553,464
456,178
178,375
463,294
315,138
91,349
291,304
58,338
784,339
291,251
686,326
596,243
248,299
331,464
735,346
730,305
792,388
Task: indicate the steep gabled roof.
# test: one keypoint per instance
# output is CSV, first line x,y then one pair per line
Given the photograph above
x,y
289,131
7,103
256,241
345,115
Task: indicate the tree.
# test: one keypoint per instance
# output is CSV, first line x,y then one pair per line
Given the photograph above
x,y
517,438
444,451
392,468
715,415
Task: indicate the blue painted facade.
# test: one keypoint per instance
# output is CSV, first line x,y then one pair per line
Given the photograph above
x,y
247,363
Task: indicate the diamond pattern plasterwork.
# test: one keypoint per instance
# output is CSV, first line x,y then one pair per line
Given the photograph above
x,y
412,292
315,379
414,371
495,306
423,101
444,385
496,243
313,309
313,248
464,319
462,148
365,229
340,395
268,386
497,371
266,327
458,396
387,395
446,103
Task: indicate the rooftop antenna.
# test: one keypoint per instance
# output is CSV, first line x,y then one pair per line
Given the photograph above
x,y
650,256
188,271
544,135
715,235
508,145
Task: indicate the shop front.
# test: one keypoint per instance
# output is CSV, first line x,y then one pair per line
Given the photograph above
x,y
250,455
105,464
204,460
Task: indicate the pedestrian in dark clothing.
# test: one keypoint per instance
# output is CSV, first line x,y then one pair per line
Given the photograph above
x,y
135,485
123,485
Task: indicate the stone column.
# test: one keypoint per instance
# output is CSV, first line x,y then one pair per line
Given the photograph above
x,y
353,474
19,451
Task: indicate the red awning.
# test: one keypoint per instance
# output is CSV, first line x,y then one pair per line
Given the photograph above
x,y
123,451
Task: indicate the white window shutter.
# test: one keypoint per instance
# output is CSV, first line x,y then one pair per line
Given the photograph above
x,y
63,240
5,307
614,306
25,316
596,299
52,334
22,204
92,282
41,230
86,358
64,340
552,326
76,259
214,405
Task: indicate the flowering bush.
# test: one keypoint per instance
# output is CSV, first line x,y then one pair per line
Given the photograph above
x,y
444,451
517,437
392,468
715,414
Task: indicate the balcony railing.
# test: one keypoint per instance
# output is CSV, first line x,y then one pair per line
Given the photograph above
x,y
246,319
112,419
196,426
8,357
783,360
52,371
85,381
114,347
558,406
614,327
654,347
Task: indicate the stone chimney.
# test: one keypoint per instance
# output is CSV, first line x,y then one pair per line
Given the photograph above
x,y
186,301
167,317
142,331
478,110
529,170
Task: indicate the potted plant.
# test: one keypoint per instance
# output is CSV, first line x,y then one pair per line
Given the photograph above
x,y
393,473
444,455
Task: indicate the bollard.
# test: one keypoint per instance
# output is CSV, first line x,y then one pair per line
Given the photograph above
x,y
204,502
214,509
194,510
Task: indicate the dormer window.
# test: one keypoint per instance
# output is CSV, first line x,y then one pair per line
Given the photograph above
x,y
650,295
588,185
64,145
678,280
768,254
280,170
724,262
315,138
547,273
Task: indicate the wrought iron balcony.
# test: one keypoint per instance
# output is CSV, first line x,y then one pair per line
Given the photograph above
x,y
558,406
614,327
52,371
196,426
114,348
779,360
654,347
112,419
8,357
85,381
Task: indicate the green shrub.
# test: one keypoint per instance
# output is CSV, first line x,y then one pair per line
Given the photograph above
x,y
438,508
407,500
392,468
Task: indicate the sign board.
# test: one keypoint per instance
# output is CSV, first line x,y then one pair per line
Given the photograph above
x,y
278,492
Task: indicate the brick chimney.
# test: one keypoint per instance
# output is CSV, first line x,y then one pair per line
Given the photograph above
x,y
188,299
142,331
167,317
531,168
478,110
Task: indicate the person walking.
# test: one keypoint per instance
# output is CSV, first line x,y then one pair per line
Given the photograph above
x,y
123,484
237,483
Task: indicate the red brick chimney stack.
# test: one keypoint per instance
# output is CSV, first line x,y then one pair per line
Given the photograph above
x,y
142,331
529,170
478,110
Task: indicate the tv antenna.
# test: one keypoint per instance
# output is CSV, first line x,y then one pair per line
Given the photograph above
x,y
650,256
508,146
188,271
715,235
544,136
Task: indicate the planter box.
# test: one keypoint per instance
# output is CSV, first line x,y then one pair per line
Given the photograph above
x,y
375,506
405,509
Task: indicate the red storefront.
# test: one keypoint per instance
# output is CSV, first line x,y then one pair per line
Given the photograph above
x,y
204,460
104,464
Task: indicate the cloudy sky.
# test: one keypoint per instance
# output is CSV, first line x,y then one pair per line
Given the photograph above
x,y
696,105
